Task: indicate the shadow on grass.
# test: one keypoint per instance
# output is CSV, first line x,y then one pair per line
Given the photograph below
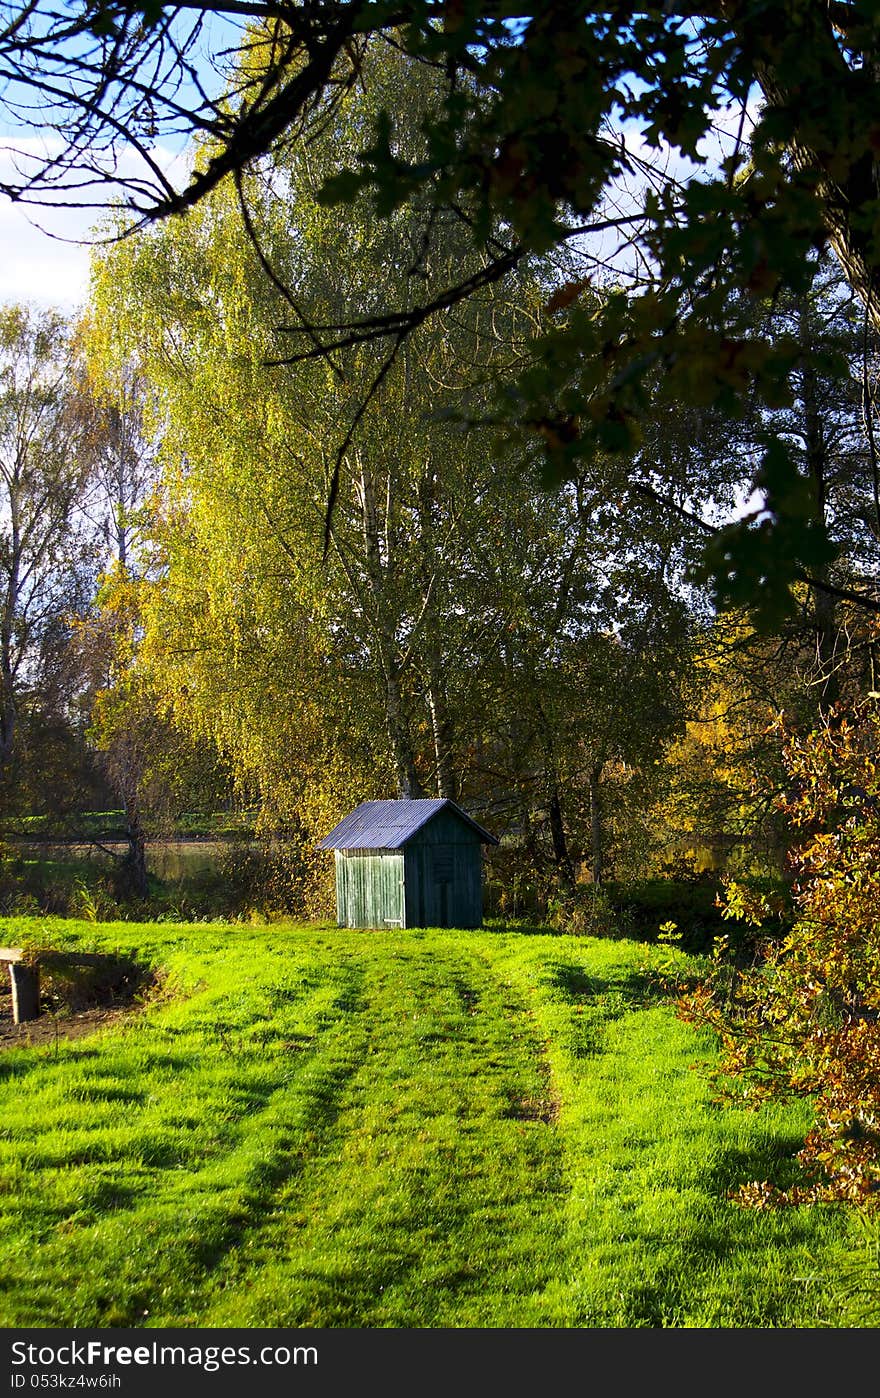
x,y
597,1002
773,1159
19,1063
109,1196
324,1079
616,996
289,1158
432,1251
222,1212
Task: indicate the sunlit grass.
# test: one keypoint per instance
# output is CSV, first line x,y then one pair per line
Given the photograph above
x,y
329,1128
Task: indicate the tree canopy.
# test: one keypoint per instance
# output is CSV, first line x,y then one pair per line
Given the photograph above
x,y
683,150
412,264
416,657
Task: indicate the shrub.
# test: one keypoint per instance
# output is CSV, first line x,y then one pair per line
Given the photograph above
x,y
695,906
804,1021
584,912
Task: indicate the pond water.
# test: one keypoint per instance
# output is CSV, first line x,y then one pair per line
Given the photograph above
x,y
168,859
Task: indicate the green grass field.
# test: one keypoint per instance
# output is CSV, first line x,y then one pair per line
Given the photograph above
x,y
316,1127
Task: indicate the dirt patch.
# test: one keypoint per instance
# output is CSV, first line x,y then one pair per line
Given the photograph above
x,y
544,1109
50,1027
77,1001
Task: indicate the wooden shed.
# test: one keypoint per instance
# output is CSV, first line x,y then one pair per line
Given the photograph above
x,y
409,864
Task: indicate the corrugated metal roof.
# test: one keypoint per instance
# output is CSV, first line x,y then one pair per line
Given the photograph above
x,y
389,824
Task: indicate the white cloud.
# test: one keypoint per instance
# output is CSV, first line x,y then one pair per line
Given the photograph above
x,y
35,267
44,252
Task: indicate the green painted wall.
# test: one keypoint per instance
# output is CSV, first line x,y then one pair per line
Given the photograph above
x,y
444,875
369,888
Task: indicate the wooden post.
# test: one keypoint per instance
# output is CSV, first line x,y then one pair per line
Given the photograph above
x,y
25,992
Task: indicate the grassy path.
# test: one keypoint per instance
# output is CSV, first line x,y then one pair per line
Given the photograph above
x,y
423,1194
396,1129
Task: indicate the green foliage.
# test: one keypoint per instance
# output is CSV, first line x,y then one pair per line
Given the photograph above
x,y
46,555
541,124
755,566
224,879
152,767
803,1021
416,656
644,906
859,1269
95,825
586,911
273,877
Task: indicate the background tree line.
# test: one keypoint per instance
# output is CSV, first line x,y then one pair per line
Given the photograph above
x,y
449,625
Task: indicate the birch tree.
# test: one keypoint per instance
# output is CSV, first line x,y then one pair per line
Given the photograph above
x,y
46,558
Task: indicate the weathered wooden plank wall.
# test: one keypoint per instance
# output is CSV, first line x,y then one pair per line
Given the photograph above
x,y
444,875
369,888
434,880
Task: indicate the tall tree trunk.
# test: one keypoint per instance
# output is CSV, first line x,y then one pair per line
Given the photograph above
x,y
134,865
447,785
433,660
561,855
597,831
378,581
8,715
408,785
823,604
120,523
12,580
558,840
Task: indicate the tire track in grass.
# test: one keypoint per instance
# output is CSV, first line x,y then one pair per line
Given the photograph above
x,y
143,1226
436,1198
652,1240
363,1134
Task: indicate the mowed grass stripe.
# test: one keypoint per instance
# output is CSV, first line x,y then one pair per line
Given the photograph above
x,y
233,1088
652,1236
395,1129
237,1099
437,1193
